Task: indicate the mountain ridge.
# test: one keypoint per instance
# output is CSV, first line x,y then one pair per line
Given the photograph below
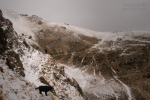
x,y
106,65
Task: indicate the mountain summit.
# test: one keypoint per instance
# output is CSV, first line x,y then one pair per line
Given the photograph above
x,y
80,64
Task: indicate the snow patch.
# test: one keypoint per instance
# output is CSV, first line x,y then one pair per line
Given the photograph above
x,y
127,88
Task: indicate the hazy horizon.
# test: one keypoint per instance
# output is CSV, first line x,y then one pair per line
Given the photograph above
x,y
97,15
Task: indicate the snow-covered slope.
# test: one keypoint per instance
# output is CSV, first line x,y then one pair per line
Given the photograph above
x,y
15,87
80,63
38,69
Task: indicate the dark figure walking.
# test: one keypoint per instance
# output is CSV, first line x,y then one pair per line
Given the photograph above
x,y
44,89
46,51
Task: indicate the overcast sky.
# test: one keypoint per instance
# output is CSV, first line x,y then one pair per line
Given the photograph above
x,y
98,15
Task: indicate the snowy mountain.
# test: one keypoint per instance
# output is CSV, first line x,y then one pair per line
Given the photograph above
x,y
78,63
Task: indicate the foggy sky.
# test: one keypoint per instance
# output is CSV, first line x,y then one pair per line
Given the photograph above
x,y
98,15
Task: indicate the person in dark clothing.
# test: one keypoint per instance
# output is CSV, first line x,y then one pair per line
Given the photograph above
x,y
46,51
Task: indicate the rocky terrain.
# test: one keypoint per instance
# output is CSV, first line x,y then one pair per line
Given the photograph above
x,y
24,68
79,63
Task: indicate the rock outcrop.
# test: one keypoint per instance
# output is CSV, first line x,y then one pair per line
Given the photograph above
x,y
8,41
93,65
19,56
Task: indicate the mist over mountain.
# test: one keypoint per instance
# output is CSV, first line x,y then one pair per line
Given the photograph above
x,y
80,64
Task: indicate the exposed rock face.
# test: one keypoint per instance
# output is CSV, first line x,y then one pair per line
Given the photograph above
x,y
18,54
3,37
9,40
51,73
105,65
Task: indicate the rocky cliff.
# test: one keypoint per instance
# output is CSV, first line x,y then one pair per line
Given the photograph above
x,y
83,64
23,68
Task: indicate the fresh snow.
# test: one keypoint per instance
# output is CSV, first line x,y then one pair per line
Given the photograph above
x,y
127,88
22,25
98,86
114,93
33,61
15,87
